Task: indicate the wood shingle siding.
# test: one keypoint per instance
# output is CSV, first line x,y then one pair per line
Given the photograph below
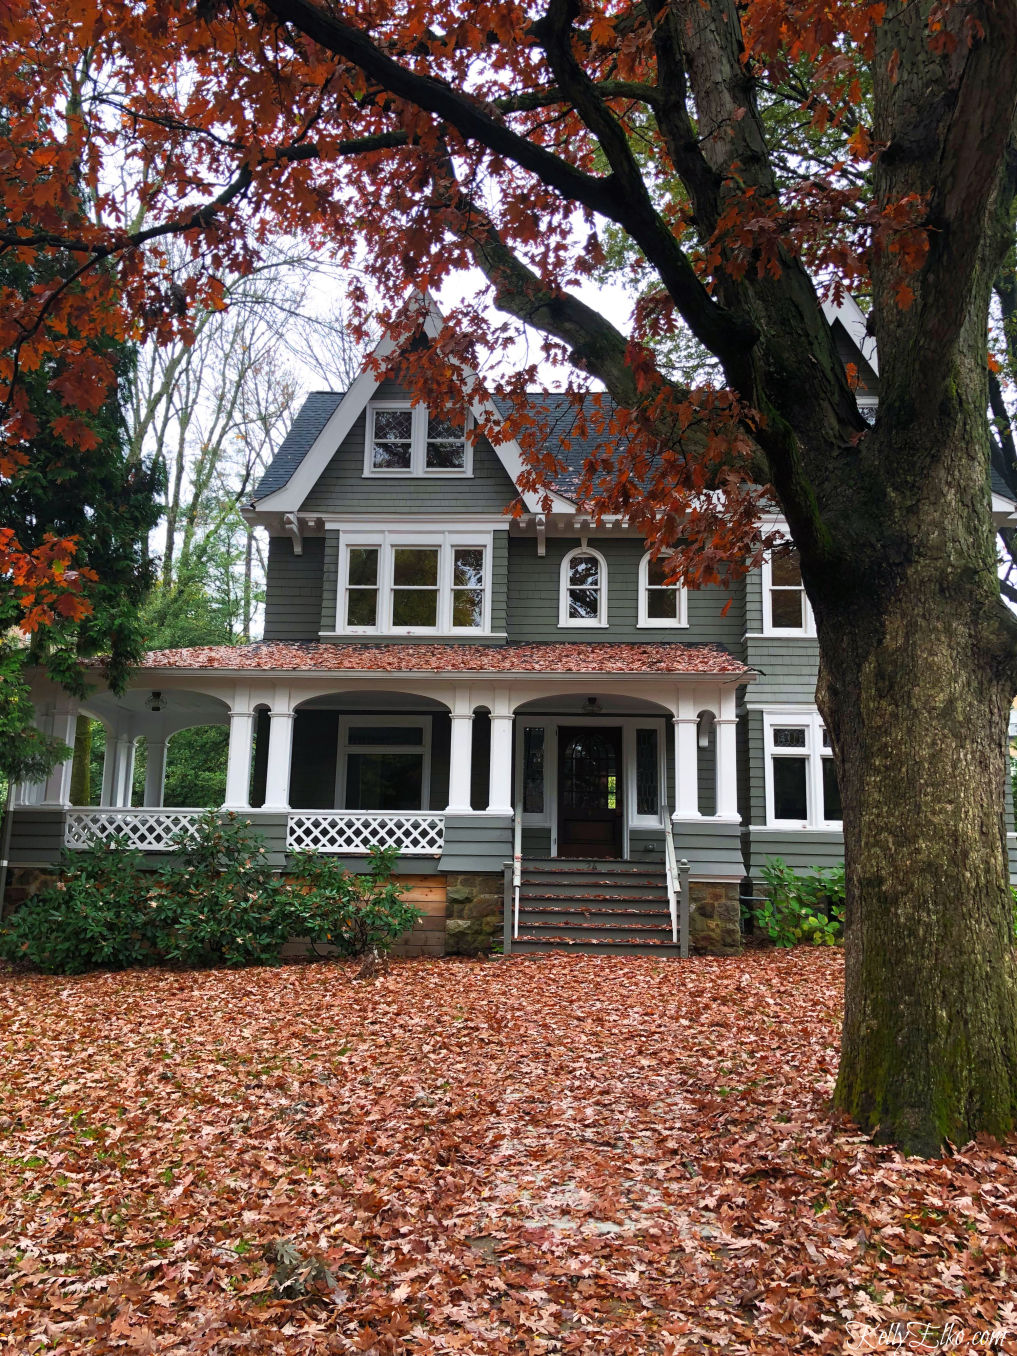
x,y
293,587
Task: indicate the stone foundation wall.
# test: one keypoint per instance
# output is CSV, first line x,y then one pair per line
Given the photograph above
x,y
22,882
473,917
714,918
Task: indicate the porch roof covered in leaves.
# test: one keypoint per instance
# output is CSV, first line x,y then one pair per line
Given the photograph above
x,y
556,657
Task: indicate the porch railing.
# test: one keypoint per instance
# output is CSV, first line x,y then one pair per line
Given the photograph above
x,y
678,876
517,866
147,830
355,832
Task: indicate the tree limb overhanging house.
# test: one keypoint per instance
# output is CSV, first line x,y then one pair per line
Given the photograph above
x,y
523,705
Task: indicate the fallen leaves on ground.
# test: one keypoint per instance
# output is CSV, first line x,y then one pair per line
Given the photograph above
x,y
549,1154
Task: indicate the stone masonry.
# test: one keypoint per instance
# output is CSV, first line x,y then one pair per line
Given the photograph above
x,y
473,918
714,914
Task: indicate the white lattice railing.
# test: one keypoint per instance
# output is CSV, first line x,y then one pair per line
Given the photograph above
x,y
356,831
147,830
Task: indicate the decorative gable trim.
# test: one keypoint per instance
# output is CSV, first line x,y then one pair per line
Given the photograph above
x,y
289,497
855,324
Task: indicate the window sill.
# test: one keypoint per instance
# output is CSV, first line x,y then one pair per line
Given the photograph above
x,y
583,626
662,626
386,637
393,474
780,635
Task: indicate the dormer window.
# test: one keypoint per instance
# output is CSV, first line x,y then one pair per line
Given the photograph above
x,y
406,440
583,598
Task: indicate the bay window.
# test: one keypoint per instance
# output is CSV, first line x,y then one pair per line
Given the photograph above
x,y
406,440
801,781
402,584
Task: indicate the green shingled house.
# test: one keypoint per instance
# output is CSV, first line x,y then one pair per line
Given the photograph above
x,y
544,727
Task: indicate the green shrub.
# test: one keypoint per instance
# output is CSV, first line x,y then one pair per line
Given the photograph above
x,y
220,903
356,914
95,914
802,908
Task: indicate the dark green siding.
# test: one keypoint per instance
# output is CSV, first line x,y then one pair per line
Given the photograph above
x,y
293,589
533,592
476,843
787,669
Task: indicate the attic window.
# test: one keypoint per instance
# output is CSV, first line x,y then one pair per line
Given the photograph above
x,y
406,440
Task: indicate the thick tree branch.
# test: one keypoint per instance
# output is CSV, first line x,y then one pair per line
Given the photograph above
x,y
729,336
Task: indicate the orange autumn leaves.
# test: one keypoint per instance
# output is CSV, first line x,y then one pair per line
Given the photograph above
x,y
566,1154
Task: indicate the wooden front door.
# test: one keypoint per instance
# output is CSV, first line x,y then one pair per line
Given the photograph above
x,y
589,791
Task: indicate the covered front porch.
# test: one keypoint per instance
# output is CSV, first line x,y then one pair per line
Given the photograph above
x,y
461,772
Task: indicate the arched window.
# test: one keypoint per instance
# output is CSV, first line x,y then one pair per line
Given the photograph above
x,y
583,600
660,603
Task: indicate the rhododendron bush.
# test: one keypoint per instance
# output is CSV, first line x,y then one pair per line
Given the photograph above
x,y
752,159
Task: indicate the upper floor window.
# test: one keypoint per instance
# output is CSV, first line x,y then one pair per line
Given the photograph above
x,y
406,440
801,782
660,603
786,610
396,583
583,594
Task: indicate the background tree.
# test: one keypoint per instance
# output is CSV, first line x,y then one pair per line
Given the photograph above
x,y
422,140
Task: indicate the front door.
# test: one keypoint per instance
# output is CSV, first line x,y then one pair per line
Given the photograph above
x,y
589,791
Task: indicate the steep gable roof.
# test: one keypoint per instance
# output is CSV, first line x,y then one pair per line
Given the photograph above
x,y
311,418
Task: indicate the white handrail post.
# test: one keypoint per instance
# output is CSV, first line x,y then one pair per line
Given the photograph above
x,y
684,876
671,871
517,866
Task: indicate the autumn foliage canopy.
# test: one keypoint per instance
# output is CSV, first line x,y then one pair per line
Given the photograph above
x,y
415,141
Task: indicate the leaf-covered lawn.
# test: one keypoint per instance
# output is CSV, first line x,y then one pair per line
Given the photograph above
x,y
539,1154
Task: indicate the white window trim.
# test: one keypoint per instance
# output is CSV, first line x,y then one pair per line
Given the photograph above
x,y
423,748
564,620
788,632
647,622
418,444
809,717
385,543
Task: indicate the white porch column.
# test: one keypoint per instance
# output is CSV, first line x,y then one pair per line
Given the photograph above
x,y
155,771
280,754
726,726
109,765
61,725
461,754
499,798
238,761
123,771
686,762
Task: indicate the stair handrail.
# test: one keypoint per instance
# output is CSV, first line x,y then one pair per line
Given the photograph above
x,y
517,867
671,870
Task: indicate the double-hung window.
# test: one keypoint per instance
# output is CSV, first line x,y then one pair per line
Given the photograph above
x,y
384,762
407,440
786,610
801,781
404,584
661,602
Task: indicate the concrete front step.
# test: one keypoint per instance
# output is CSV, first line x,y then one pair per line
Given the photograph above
x,y
559,946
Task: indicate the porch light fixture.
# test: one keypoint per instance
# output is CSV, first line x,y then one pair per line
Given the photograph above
x,y
154,701
592,707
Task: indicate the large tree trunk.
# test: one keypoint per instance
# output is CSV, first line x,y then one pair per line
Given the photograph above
x,y
918,669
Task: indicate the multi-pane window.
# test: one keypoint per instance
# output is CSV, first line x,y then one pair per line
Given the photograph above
x,y
661,602
407,440
446,446
786,608
583,590
801,778
647,773
408,586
